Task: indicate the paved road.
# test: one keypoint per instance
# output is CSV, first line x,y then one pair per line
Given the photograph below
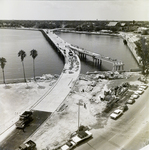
x,y
18,136
68,77
129,132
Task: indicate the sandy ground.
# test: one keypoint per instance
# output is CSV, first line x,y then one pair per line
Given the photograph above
x,y
15,98
64,122
18,97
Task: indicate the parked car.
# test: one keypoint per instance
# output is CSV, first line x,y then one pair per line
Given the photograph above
x,y
117,113
29,145
134,96
123,108
139,92
80,136
130,101
141,89
144,87
68,145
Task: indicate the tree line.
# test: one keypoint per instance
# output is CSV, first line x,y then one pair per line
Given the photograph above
x,y
142,50
22,55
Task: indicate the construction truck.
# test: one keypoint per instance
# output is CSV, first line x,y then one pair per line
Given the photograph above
x,y
24,119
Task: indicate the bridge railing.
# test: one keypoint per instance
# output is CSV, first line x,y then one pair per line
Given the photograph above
x,y
96,56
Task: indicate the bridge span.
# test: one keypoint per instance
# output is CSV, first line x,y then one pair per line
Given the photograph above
x,y
70,71
97,58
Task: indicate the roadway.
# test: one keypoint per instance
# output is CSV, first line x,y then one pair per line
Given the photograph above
x,y
18,136
52,100
129,132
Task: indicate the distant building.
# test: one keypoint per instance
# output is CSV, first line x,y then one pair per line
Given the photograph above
x,y
112,24
123,24
143,30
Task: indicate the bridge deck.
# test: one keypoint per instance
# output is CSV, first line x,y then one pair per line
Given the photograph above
x,y
115,62
56,95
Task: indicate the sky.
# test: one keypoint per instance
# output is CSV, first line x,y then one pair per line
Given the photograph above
x,y
74,10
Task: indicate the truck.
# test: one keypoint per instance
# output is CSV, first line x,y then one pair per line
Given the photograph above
x,y
26,114
29,145
24,119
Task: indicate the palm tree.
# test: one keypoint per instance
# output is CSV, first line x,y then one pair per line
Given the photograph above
x,y
22,54
3,62
34,54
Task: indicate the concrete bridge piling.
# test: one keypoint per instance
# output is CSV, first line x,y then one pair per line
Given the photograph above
x,y
97,58
82,53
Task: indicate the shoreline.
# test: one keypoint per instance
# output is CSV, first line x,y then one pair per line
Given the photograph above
x,y
128,36
21,80
124,35
86,32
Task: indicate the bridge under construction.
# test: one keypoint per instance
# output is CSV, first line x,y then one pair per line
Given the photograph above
x,y
97,58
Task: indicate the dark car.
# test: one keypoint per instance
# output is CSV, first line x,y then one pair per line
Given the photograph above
x,y
29,145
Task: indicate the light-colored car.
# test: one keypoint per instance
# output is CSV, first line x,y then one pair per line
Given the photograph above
x,y
139,92
68,145
144,87
130,101
80,136
116,113
134,96
141,89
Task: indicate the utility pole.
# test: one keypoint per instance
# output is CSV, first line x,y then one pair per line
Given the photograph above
x,y
78,116
80,103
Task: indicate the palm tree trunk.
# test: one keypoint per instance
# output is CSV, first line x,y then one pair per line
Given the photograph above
x,y
3,77
34,68
24,71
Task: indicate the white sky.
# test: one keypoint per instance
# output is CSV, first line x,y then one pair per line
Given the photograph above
x,y
74,10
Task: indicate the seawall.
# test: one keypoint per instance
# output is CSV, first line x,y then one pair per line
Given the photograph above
x,y
130,39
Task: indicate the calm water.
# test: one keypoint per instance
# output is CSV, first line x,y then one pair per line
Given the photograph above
x,y
48,61
110,46
12,41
